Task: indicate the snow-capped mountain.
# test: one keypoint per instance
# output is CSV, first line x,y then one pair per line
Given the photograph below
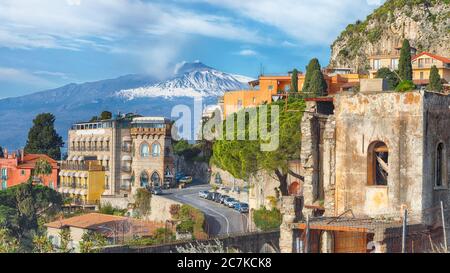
x,y
142,94
190,80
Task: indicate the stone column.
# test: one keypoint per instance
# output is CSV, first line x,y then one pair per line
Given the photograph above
x,y
291,210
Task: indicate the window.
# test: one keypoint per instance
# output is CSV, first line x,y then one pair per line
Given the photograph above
x,y
421,75
145,150
239,104
4,173
156,150
378,164
254,100
376,64
270,87
168,172
156,179
394,64
440,166
4,185
144,179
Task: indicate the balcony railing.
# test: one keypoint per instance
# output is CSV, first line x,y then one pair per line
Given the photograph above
x,y
4,177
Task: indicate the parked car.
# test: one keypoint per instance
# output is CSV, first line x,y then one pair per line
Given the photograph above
x,y
157,191
186,179
179,176
241,207
222,198
232,204
203,194
217,197
227,201
210,196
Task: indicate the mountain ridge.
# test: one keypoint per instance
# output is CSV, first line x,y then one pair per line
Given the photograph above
x,y
76,102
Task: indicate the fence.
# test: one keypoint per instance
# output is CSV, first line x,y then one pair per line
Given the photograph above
x,y
408,232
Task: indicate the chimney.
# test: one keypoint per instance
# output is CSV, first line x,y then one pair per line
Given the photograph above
x,y
5,153
22,154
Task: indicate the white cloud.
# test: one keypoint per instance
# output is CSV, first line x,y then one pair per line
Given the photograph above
x,y
13,75
75,24
247,52
307,21
52,74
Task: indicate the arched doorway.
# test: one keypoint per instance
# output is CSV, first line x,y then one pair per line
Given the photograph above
x,y
156,179
144,179
378,164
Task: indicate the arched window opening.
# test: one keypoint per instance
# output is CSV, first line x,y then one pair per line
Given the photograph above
x,y
145,150
440,166
156,150
156,179
378,164
144,179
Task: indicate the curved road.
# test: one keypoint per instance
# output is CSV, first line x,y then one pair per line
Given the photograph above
x,y
220,220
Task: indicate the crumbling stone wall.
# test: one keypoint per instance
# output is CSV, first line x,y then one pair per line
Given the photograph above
x,y
408,123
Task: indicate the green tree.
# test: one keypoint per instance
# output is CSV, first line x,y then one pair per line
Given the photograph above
x,y
42,244
1,152
318,85
43,138
92,242
313,65
66,239
142,202
435,80
405,65
26,207
105,115
390,76
42,168
314,80
405,86
294,81
244,158
8,244
267,219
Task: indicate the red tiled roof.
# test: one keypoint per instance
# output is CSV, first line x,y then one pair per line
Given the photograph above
x,y
437,57
104,223
29,160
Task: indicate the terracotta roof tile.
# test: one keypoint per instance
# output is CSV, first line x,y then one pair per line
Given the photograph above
x,y
437,57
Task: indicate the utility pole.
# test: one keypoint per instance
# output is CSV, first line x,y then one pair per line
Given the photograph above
x,y
307,235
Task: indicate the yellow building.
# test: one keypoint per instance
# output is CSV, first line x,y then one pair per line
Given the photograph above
x,y
422,64
83,181
386,60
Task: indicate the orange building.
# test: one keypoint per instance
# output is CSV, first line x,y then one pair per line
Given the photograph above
x,y
268,88
16,168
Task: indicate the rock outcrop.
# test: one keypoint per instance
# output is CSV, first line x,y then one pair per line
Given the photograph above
x,y
426,23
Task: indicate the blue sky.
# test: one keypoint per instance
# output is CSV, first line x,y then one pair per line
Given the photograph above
x,y
49,43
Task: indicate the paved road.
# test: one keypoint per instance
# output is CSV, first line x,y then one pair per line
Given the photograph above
x,y
221,220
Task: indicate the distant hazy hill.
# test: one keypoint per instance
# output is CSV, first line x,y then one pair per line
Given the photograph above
x,y
132,93
426,23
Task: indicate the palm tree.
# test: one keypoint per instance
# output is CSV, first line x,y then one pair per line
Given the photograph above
x,y
42,168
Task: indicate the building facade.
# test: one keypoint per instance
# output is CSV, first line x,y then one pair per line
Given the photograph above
x,y
268,89
422,64
122,154
378,155
17,168
152,163
386,60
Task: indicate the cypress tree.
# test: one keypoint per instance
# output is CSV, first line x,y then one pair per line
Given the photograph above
x,y
313,65
318,85
43,138
294,81
404,65
435,80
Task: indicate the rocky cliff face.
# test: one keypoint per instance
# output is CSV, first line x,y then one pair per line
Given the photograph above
x,y
426,23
